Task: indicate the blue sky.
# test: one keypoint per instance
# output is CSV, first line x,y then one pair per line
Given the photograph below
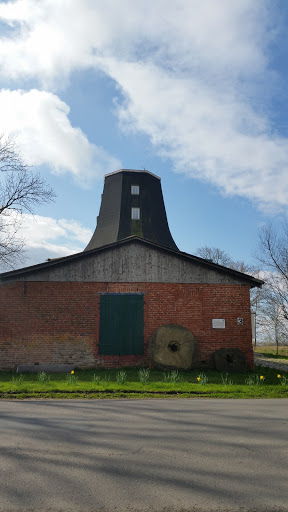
x,y
195,92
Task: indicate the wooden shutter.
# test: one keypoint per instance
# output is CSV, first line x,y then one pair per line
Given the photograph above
x,y
121,324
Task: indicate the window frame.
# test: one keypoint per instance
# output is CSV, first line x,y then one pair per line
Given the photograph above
x,y
134,215
133,192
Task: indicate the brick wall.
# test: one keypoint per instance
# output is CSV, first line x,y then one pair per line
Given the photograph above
x,y
53,322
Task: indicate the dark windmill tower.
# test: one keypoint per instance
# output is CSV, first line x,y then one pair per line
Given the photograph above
x,y
132,204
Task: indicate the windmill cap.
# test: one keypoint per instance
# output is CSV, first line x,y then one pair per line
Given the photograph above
x,y
133,170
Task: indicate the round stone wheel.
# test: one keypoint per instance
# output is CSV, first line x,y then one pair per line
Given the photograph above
x,y
173,347
230,360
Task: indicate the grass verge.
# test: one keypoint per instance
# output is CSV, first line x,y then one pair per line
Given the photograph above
x,y
270,351
129,383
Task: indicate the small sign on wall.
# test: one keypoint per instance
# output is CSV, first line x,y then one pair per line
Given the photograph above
x,y
218,323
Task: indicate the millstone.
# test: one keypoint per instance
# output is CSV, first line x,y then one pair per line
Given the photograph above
x,y
230,360
173,347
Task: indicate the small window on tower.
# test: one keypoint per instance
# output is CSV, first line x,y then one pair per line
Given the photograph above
x,y
135,213
135,190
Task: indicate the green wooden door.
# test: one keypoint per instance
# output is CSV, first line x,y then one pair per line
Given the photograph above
x,y
121,324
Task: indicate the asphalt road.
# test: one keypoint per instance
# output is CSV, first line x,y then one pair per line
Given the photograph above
x,y
152,455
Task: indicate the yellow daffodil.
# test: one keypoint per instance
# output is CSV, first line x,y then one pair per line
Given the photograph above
x,y
198,378
72,372
278,376
261,377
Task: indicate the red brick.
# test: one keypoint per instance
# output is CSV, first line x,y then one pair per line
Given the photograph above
x,y
59,322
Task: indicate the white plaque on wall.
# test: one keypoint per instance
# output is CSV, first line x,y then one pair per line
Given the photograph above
x,y
218,323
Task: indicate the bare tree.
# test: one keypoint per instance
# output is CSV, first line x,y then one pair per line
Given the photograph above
x,y
214,254
271,320
21,190
272,253
220,257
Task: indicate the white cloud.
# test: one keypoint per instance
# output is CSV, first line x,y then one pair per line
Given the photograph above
x,y
190,75
46,136
51,238
209,135
57,37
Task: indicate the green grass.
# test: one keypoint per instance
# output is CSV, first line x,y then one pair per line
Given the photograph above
x,y
108,384
270,351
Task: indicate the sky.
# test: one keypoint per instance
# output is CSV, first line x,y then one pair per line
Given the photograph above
x,y
195,92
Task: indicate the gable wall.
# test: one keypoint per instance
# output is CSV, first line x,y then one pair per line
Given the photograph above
x,y
132,262
54,322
